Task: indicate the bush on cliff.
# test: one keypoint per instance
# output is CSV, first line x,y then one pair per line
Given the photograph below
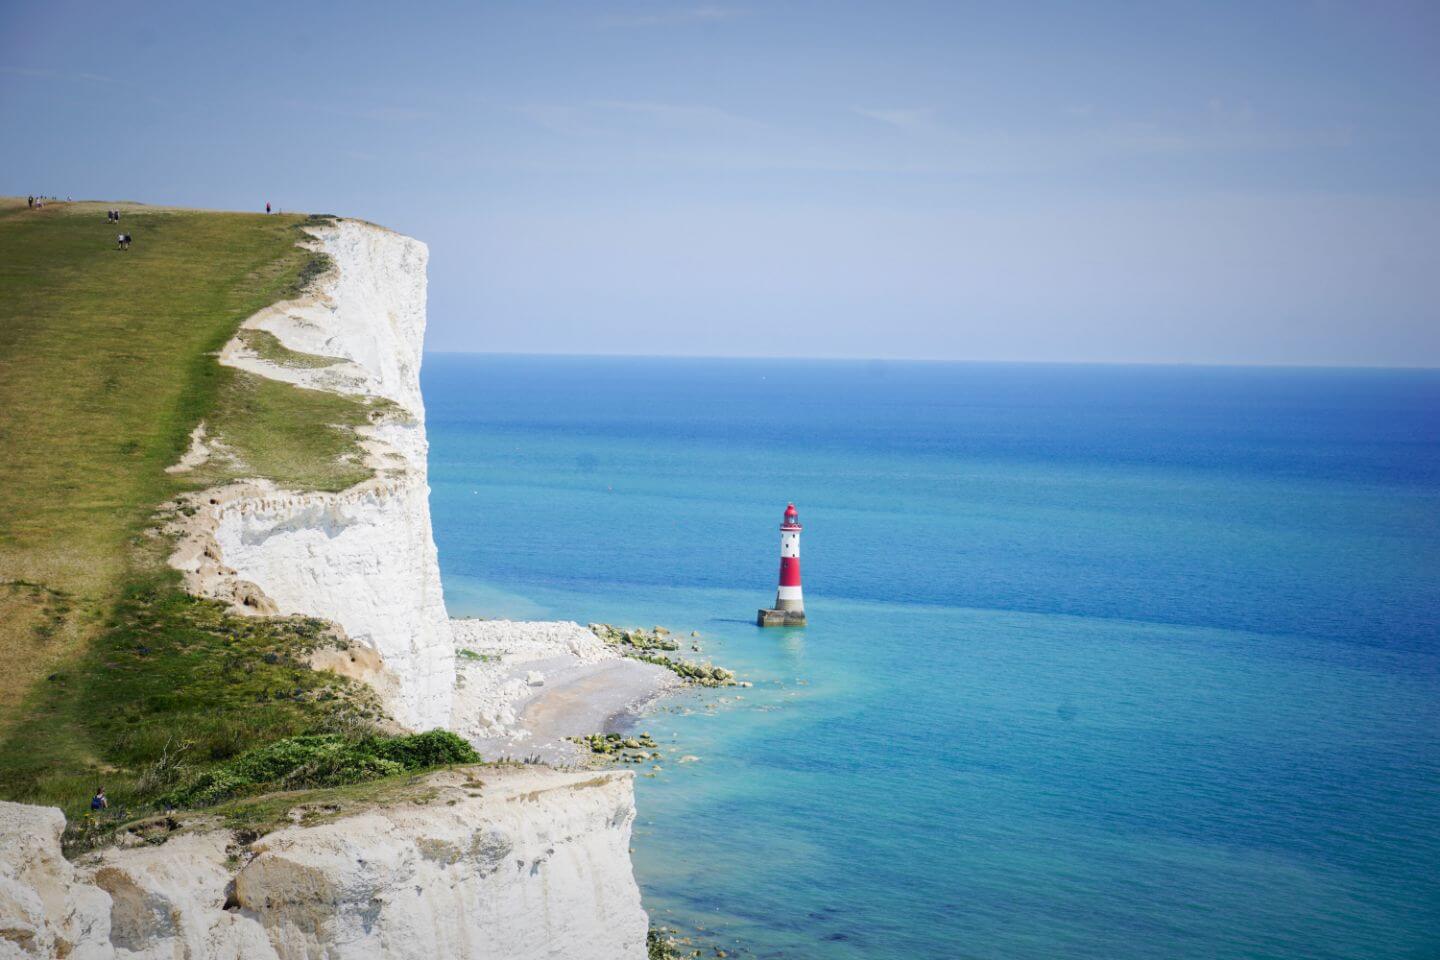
x,y
321,761
437,748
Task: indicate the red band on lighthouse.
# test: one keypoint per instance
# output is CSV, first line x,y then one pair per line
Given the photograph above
x,y
789,571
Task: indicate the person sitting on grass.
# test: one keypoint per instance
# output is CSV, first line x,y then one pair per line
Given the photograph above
x,y
99,801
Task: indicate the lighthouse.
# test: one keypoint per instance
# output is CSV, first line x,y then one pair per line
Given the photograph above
x,y
789,610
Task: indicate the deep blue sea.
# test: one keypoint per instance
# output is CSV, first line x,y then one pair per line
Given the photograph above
x,y
1103,661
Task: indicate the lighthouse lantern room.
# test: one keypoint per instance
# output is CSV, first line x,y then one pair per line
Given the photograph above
x,y
789,609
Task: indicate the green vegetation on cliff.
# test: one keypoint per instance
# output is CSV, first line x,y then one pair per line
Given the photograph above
x,y
327,760
107,363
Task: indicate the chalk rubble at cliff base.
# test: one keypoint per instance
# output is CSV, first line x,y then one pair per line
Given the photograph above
x,y
524,688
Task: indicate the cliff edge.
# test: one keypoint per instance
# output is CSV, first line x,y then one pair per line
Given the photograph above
x,y
364,557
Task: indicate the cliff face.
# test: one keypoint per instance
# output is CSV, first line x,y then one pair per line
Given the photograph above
x,y
488,862
44,911
363,558
505,864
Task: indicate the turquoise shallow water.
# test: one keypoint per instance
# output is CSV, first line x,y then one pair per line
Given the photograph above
x,y
1103,661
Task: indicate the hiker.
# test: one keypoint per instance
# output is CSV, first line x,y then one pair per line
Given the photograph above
x,y
99,801
119,241
267,206
32,201
127,240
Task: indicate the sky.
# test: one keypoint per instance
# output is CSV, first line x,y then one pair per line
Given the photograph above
x,y
1114,182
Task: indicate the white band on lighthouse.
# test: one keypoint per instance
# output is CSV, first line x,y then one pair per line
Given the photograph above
x,y
788,593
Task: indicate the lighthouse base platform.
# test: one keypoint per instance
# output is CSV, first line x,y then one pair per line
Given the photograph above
x,y
780,618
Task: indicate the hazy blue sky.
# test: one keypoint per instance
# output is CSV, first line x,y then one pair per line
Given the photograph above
x,y
1255,182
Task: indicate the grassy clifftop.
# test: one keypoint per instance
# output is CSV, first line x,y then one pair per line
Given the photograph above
x,y
107,362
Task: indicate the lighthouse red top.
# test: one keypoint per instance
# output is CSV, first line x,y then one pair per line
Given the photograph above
x,y
792,518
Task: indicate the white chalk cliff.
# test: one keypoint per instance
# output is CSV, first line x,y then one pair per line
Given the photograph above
x,y
485,864
363,558
495,862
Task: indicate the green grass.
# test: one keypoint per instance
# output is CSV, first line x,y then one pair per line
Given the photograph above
x,y
173,684
301,439
107,362
268,346
251,817
106,366
266,812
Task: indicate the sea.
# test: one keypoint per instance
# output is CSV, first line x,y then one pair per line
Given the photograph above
x,y
1102,661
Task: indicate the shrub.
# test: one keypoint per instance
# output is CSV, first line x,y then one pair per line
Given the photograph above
x,y
324,760
315,267
436,748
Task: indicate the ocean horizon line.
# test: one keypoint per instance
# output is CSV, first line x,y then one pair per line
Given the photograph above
x,y
958,362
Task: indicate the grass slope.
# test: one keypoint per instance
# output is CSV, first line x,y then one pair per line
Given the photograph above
x,y
106,365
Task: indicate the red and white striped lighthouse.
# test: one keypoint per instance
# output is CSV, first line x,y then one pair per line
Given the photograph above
x,y
789,610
